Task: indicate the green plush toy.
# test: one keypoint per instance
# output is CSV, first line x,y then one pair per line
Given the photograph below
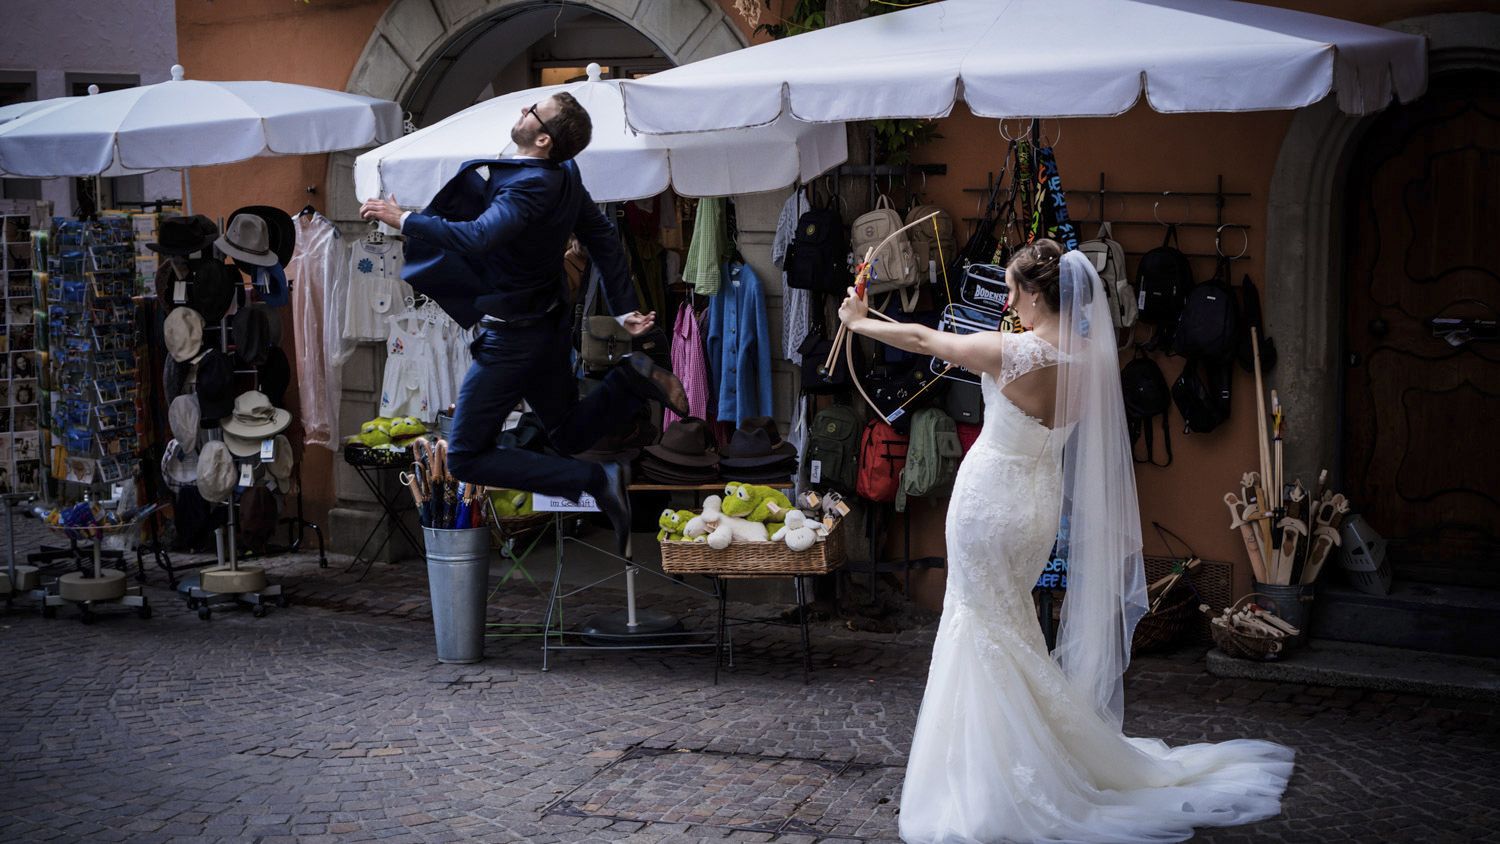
x,y
672,524
510,502
756,503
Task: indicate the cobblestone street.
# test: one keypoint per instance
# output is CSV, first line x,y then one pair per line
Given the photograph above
x,y
331,721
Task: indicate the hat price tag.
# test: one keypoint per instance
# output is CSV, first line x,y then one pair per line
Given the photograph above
x,y
247,474
267,450
179,292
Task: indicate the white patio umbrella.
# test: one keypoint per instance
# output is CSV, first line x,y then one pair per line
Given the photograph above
x,y
185,123
618,164
1040,58
17,110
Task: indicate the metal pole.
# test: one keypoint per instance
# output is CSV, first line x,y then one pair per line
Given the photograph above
x,y
630,620
187,191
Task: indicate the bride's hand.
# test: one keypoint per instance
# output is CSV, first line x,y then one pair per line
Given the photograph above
x,y
853,310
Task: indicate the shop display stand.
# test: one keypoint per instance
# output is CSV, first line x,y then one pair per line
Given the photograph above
x,y
230,583
629,629
101,586
16,580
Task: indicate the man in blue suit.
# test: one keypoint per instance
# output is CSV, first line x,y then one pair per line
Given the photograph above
x,y
489,249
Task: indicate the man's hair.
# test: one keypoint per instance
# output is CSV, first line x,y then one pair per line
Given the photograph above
x,y
571,127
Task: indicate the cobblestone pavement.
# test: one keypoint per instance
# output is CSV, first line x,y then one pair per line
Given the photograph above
x,y
331,721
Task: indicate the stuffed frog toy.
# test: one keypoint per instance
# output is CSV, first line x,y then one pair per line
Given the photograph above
x,y
755,503
673,523
405,429
720,529
510,502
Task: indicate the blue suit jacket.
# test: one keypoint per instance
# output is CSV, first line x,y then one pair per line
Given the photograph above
x,y
495,245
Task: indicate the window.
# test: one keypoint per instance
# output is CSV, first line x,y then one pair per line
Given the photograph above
x,y
18,87
120,188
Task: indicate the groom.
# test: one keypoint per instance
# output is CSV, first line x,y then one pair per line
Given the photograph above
x,y
489,249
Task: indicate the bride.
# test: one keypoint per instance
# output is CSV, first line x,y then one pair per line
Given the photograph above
x,y
1013,744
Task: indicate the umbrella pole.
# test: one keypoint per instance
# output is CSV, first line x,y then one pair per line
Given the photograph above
x,y
187,191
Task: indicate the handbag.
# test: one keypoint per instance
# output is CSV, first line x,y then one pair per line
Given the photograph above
x,y
605,343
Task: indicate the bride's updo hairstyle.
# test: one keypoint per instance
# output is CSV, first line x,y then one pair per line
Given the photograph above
x,y
1034,269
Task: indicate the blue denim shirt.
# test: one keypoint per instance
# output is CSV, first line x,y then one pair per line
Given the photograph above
x,y
739,346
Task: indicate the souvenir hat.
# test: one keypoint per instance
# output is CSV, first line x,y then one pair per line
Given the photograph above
x,y
279,226
184,235
685,443
172,269
257,328
255,418
275,376
216,473
214,387
182,416
270,281
248,239
211,288
178,468
280,467
749,448
174,376
182,332
773,432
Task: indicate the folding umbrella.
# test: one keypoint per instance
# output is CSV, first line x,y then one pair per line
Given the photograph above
x,y
190,123
1039,58
618,164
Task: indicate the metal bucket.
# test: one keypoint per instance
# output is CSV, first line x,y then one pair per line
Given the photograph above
x,y
1292,603
458,569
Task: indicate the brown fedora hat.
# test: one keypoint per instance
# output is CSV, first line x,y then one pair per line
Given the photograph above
x,y
685,443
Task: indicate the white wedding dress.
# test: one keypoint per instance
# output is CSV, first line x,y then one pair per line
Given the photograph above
x,y
1005,750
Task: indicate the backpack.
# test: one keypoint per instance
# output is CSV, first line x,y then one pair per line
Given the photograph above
x,y
818,258
1202,406
1162,280
1250,318
1108,258
892,268
931,251
1146,395
882,456
1208,327
832,448
965,402
932,458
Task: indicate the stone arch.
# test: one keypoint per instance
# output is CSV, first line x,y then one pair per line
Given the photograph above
x,y
1304,239
412,32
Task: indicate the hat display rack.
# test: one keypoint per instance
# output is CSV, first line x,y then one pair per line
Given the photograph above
x,y
247,440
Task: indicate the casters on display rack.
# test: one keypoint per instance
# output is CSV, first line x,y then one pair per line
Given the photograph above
x,y
244,586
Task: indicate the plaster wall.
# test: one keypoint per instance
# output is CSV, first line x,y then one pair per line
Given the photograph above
x,y
59,39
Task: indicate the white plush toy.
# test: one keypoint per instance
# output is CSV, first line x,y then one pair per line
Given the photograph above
x,y
799,533
722,529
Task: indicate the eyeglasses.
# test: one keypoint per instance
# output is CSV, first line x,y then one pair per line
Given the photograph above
x,y
545,128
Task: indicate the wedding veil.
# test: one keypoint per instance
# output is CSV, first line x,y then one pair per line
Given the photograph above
x,y
1100,526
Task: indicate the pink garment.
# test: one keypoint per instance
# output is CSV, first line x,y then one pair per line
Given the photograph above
x,y
314,270
689,364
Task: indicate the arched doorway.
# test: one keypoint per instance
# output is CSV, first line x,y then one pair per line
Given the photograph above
x,y
1307,250
438,56
1422,352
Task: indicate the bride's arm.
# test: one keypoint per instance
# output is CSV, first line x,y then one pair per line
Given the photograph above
x,y
979,352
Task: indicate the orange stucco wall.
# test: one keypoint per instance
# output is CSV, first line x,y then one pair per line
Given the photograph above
x,y
319,43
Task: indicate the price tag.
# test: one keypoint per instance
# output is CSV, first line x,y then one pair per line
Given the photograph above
x,y
179,291
247,474
932,271
1140,299
842,508
267,450
828,522
815,471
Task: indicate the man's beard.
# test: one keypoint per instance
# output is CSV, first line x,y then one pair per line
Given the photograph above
x,y
523,136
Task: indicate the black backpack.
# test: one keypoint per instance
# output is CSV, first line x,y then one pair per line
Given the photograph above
x,y
818,258
1250,318
1201,398
1146,395
1209,326
1162,281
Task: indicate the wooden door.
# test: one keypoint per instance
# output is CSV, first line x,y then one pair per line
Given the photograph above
x,y
1422,411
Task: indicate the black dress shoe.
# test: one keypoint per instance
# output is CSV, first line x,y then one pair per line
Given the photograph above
x,y
614,500
653,382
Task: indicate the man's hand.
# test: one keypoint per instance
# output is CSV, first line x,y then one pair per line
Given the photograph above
x,y
638,323
384,210
854,309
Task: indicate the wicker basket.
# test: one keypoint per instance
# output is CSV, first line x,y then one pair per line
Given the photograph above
x,y
357,454
1243,644
750,559
1174,618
